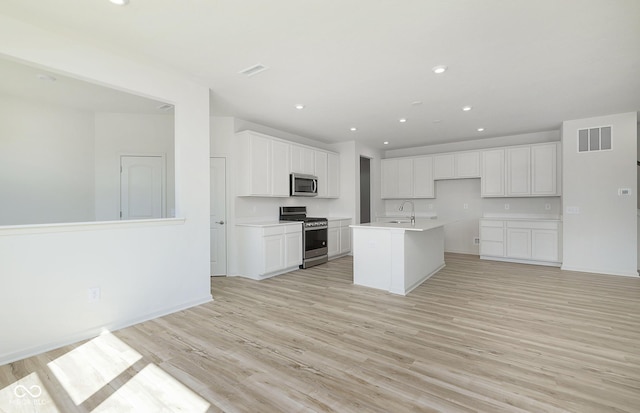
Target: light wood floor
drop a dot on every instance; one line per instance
(479, 336)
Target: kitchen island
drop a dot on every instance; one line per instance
(397, 256)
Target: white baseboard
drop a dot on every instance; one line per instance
(97, 330)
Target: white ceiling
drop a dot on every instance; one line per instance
(523, 66)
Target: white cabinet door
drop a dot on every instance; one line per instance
(519, 243)
(444, 166)
(259, 165)
(302, 160)
(280, 168)
(333, 175)
(467, 165)
(492, 179)
(518, 171)
(544, 163)
(345, 237)
(544, 245)
(321, 164)
(389, 178)
(492, 238)
(273, 247)
(293, 248)
(423, 177)
(405, 178)
(333, 240)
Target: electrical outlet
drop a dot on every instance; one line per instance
(506, 206)
(547, 207)
(94, 294)
(476, 241)
(430, 206)
(465, 206)
(573, 210)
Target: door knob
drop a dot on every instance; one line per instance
(220, 222)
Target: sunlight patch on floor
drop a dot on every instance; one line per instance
(153, 390)
(86, 369)
(27, 395)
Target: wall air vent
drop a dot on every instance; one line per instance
(595, 139)
(253, 70)
(165, 107)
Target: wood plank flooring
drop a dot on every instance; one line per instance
(479, 336)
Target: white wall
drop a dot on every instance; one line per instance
(145, 269)
(602, 237)
(119, 134)
(484, 143)
(46, 163)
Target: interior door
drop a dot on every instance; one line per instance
(218, 216)
(142, 187)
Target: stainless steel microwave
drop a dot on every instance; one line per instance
(303, 185)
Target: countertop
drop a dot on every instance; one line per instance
(420, 225)
(267, 223)
(522, 217)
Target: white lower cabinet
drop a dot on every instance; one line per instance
(339, 237)
(527, 241)
(268, 250)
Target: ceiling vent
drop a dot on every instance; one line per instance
(595, 139)
(165, 107)
(253, 70)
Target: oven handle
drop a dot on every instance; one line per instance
(315, 228)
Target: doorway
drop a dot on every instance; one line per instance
(365, 190)
(218, 216)
(142, 187)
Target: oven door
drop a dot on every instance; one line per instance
(315, 242)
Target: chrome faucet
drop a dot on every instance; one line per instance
(413, 211)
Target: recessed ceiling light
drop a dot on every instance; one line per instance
(120, 2)
(165, 107)
(480, 129)
(386, 142)
(466, 108)
(402, 120)
(47, 78)
(416, 103)
(299, 107)
(437, 121)
(353, 129)
(439, 69)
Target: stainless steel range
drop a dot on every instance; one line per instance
(314, 234)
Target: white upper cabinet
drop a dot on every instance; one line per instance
(456, 165)
(302, 160)
(265, 162)
(544, 169)
(423, 177)
(321, 160)
(532, 170)
(407, 177)
(492, 180)
(519, 171)
(333, 175)
(444, 166)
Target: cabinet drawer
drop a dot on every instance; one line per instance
(491, 234)
(290, 229)
(533, 224)
(497, 224)
(276, 230)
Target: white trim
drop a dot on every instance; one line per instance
(87, 226)
(519, 261)
(97, 330)
(602, 271)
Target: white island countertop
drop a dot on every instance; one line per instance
(422, 224)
